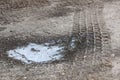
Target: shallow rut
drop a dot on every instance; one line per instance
(90, 26)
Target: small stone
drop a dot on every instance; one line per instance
(85, 56)
(34, 50)
(25, 77)
(62, 73)
(26, 69)
(113, 55)
(11, 31)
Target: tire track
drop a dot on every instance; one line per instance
(97, 36)
(106, 47)
(76, 24)
(74, 36)
(83, 29)
(97, 31)
(102, 38)
(89, 29)
(90, 33)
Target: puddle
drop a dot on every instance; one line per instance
(37, 53)
(53, 50)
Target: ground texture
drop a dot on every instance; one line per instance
(96, 21)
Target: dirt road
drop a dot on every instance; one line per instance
(96, 22)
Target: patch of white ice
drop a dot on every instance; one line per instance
(36, 53)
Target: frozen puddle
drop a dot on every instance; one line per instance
(37, 53)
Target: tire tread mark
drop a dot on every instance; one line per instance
(76, 24)
(90, 33)
(83, 30)
(97, 31)
(105, 34)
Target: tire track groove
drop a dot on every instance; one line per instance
(105, 34)
(83, 29)
(97, 32)
(90, 33)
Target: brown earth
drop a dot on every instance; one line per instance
(97, 21)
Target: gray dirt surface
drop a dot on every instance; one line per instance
(97, 23)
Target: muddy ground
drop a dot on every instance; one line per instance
(96, 21)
